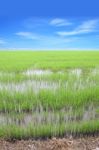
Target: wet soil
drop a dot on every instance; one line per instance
(86, 143)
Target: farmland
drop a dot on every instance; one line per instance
(49, 93)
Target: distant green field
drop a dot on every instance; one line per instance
(55, 60)
(49, 93)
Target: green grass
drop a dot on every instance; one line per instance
(55, 60)
(55, 104)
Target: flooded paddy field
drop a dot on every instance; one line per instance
(43, 95)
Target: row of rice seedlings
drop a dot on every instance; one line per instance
(14, 131)
(48, 99)
(44, 117)
(37, 85)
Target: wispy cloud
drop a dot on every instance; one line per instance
(2, 41)
(36, 22)
(60, 22)
(54, 40)
(46, 41)
(44, 38)
(28, 35)
(85, 27)
(43, 35)
(33, 22)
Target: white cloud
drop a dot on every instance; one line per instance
(28, 35)
(59, 22)
(88, 26)
(25, 34)
(85, 27)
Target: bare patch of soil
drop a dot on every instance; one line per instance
(87, 143)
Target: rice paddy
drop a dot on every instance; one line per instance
(49, 93)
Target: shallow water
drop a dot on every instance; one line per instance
(40, 118)
(29, 84)
(5, 74)
(37, 72)
(37, 85)
(95, 71)
(76, 71)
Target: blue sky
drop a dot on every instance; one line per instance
(49, 24)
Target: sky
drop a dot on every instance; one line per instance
(49, 24)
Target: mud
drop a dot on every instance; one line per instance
(87, 143)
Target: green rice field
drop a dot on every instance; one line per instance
(49, 93)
